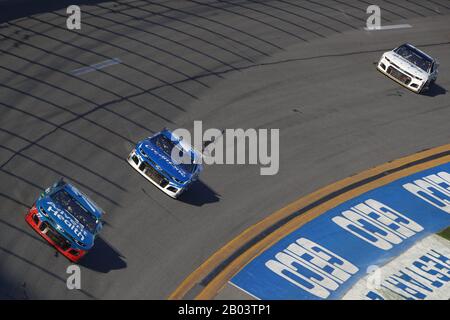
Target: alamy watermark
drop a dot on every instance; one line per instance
(232, 146)
(73, 21)
(373, 22)
(74, 279)
(374, 277)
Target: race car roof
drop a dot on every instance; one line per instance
(159, 148)
(72, 211)
(419, 52)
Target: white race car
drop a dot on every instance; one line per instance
(410, 67)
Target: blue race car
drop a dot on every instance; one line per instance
(152, 158)
(67, 219)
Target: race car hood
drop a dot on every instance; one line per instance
(163, 161)
(406, 65)
(63, 221)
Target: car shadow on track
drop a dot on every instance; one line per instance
(435, 90)
(199, 194)
(103, 258)
(16, 289)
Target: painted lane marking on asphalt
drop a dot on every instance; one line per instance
(95, 67)
(420, 273)
(394, 26)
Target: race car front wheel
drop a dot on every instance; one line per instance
(425, 87)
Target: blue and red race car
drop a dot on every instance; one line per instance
(67, 219)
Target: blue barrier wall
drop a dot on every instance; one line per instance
(346, 246)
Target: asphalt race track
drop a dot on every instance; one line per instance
(305, 67)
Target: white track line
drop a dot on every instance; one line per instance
(394, 26)
(95, 67)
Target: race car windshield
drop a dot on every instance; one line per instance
(68, 203)
(167, 146)
(415, 57)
